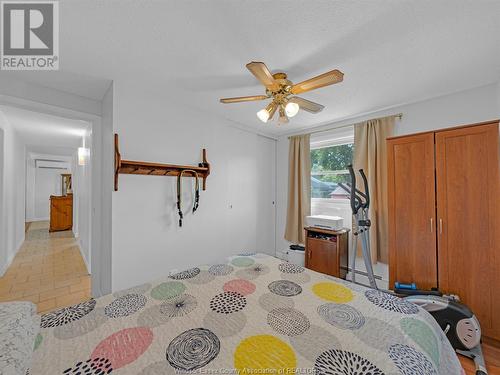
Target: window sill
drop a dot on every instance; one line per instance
(330, 201)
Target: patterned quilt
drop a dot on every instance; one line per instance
(254, 315)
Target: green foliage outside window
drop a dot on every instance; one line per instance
(331, 161)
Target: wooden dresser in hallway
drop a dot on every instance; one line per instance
(61, 213)
(48, 270)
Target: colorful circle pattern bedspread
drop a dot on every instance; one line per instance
(193, 349)
(67, 314)
(253, 315)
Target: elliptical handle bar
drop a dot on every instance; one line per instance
(367, 192)
(354, 207)
(347, 188)
(359, 194)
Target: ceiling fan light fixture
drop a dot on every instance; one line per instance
(283, 117)
(291, 109)
(263, 115)
(267, 113)
(282, 92)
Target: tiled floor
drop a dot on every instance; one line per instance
(48, 270)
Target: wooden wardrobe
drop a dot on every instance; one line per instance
(444, 215)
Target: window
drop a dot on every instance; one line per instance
(331, 153)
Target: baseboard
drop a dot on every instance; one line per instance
(283, 255)
(19, 244)
(85, 260)
(11, 257)
(33, 219)
(9, 261)
(18, 247)
(6, 266)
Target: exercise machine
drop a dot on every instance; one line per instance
(360, 204)
(459, 324)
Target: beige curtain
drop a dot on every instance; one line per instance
(299, 187)
(370, 154)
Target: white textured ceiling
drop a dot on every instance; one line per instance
(45, 133)
(194, 52)
(63, 80)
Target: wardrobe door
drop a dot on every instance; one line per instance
(412, 208)
(468, 193)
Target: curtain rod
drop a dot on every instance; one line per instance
(398, 115)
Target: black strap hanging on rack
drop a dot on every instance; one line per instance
(179, 195)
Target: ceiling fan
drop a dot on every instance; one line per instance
(282, 92)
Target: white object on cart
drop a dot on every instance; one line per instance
(325, 222)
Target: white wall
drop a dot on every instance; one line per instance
(12, 206)
(3, 211)
(47, 183)
(30, 188)
(81, 179)
(266, 196)
(102, 193)
(41, 183)
(147, 241)
(466, 107)
(498, 99)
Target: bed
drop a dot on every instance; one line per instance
(253, 315)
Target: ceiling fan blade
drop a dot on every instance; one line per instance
(243, 99)
(325, 79)
(262, 73)
(307, 105)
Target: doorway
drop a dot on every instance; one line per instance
(51, 262)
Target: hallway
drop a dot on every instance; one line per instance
(48, 270)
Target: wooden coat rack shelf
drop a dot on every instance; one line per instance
(157, 169)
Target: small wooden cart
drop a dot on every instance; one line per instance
(327, 251)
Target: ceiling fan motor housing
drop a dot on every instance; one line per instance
(284, 84)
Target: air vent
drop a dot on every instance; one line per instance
(51, 164)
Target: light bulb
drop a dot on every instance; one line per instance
(283, 117)
(83, 154)
(292, 109)
(267, 113)
(263, 115)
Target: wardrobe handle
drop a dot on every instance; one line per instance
(432, 221)
(440, 226)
